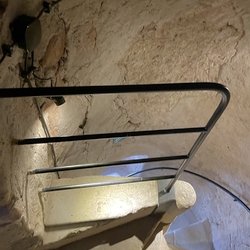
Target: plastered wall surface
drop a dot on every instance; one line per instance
(129, 42)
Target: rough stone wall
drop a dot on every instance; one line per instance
(129, 42)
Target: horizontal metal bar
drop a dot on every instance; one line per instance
(109, 135)
(114, 163)
(108, 183)
(114, 89)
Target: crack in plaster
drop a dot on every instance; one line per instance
(242, 31)
(75, 6)
(100, 10)
(85, 119)
(103, 150)
(221, 68)
(89, 99)
(62, 64)
(119, 102)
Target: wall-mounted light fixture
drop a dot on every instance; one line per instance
(26, 32)
(58, 100)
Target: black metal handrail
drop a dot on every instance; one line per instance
(118, 89)
(110, 135)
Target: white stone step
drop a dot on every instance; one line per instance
(195, 236)
(97, 203)
(183, 220)
(75, 214)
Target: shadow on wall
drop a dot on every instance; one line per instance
(139, 228)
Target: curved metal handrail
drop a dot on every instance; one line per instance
(114, 89)
(236, 198)
(95, 90)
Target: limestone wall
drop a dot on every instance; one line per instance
(127, 42)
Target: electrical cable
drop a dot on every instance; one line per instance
(58, 100)
(2, 59)
(40, 78)
(236, 198)
(46, 7)
(7, 51)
